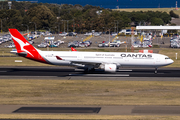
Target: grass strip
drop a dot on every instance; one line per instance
(89, 92)
(92, 117)
(150, 9)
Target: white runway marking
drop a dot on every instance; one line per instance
(105, 75)
(101, 75)
(124, 70)
(79, 69)
(18, 61)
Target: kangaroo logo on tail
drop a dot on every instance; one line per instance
(24, 47)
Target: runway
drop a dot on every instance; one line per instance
(67, 73)
(100, 110)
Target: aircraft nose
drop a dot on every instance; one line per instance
(171, 61)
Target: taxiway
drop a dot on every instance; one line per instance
(67, 73)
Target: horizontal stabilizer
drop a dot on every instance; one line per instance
(23, 54)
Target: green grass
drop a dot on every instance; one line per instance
(10, 61)
(150, 9)
(87, 92)
(92, 117)
(172, 54)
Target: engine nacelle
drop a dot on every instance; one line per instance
(110, 67)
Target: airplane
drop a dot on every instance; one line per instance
(108, 61)
(73, 49)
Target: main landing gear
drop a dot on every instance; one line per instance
(155, 71)
(87, 70)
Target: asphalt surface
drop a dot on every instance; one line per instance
(100, 110)
(67, 73)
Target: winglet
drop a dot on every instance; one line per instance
(59, 58)
(73, 49)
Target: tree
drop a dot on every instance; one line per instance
(157, 21)
(165, 17)
(172, 14)
(11, 19)
(42, 16)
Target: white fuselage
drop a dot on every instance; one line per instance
(118, 58)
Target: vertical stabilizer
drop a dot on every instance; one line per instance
(24, 48)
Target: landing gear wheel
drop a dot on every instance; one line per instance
(155, 71)
(87, 70)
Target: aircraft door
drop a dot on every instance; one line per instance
(80, 56)
(158, 60)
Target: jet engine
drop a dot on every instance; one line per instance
(109, 67)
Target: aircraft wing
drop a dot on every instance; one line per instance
(84, 62)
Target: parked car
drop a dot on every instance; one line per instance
(88, 43)
(114, 44)
(5, 39)
(42, 45)
(88, 33)
(104, 44)
(31, 41)
(72, 34)
(73, 44)
(63, 34)
(97, 33)
(1, 41)
(11, 45)
(114, 34)
(60, 41)
(83, 44)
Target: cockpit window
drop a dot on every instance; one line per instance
(167, 58)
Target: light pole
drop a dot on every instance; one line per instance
(109, 33)
(58, 28)
(34, 24)
(116, 24)
(1, 25)
(103, 38)
(27, 30)
(27, 27)
(67, 25)
(64, 24)
(73, 26)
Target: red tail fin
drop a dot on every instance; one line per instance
(73, 49)
(24, 47)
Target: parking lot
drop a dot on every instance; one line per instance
(95, 40)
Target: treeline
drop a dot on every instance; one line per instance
(59, 18)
